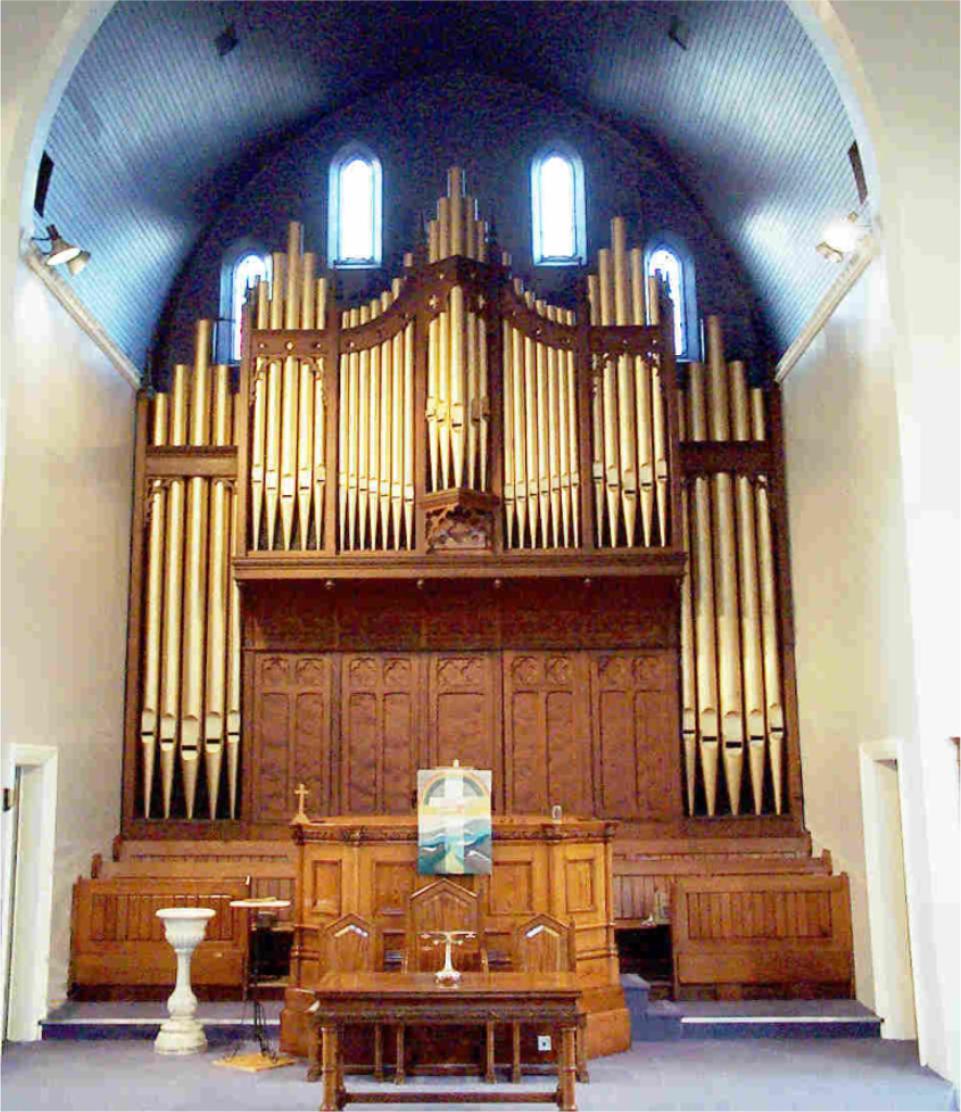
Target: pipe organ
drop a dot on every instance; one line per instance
(732, 703)
(457, 426)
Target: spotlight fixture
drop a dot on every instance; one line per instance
(842, 237)
(63, 252)
(826, 251)
(78, 262)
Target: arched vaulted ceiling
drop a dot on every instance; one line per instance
(156, 131)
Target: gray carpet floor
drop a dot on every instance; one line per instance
(804, 1074)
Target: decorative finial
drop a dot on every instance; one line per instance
(301, 817)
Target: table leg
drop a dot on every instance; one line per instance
(330, 1068)
(378, 1052)
(489, 1076)
(581, 1046)
(313, 1050)
(399, 1070)
(567, 1070)
(516, 1068)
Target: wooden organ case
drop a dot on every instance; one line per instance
(455, 521)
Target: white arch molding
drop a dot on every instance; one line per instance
(895, 66)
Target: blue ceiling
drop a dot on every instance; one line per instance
(155, 132)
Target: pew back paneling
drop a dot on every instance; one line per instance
(762, 935)
(118, 941)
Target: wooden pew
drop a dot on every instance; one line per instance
(118, 942)
(737, 936)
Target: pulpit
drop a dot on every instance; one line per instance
(367, 865)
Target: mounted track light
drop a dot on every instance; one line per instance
(61, 251)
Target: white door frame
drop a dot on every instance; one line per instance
(891, 1003)
(29, 970)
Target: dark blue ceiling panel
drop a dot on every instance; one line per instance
(156, 133)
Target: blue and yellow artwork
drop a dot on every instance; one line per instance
(453, 822)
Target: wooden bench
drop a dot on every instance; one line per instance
(757, 935)
(118, 942)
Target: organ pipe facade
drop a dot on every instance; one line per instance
(456, 417)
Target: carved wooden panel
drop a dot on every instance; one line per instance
(464, 713)
(546, 732)
(325, 888)
(379, 732)
(635, 737)
(291, 733)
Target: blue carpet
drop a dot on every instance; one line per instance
(860, 1075)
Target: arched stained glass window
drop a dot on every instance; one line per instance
(246, 270)
(557, 207)
(355, 208)
(668, 257)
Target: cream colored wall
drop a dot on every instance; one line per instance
(896, 66)
(853, 653)
(63, 581)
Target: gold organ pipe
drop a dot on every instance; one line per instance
(769, 629)
(305, 449)
(443, 228)
(553, 432)
(153, 610)
(443, 396)
(751, 659)
(530, 437)
(563, 437)
(320, 423)
(218, 598)
(233, 682)
(388, 403)
(308, 299)
(455, 188)
(519, 370)
(471, 399)
(195, 577)
(343, 450)
(704, 619)
(433, 241)
(657, 416)
(408, 434)
(543, 433)
(373, 446)
(688, 673)
(457, 382)
(433, 432)
(642, 398)
(725, 549)
(597, 415)
(173, 596)
(353, 440)
(609, 394)
(274, 381)
(259, 423)
(508, 363)
(400, 433)
(573, 434)
(363, 436)
(482, 404)
(627, 433)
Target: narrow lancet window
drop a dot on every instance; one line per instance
(665, 263)
(247, 269)
(355, 209)
(557, 205)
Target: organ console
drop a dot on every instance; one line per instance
(459, 424)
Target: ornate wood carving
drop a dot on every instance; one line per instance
(460, 521)
(291, 733)
(635, 731)
(379, 735)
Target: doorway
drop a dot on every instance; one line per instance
(28, 891)
(887, 889)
